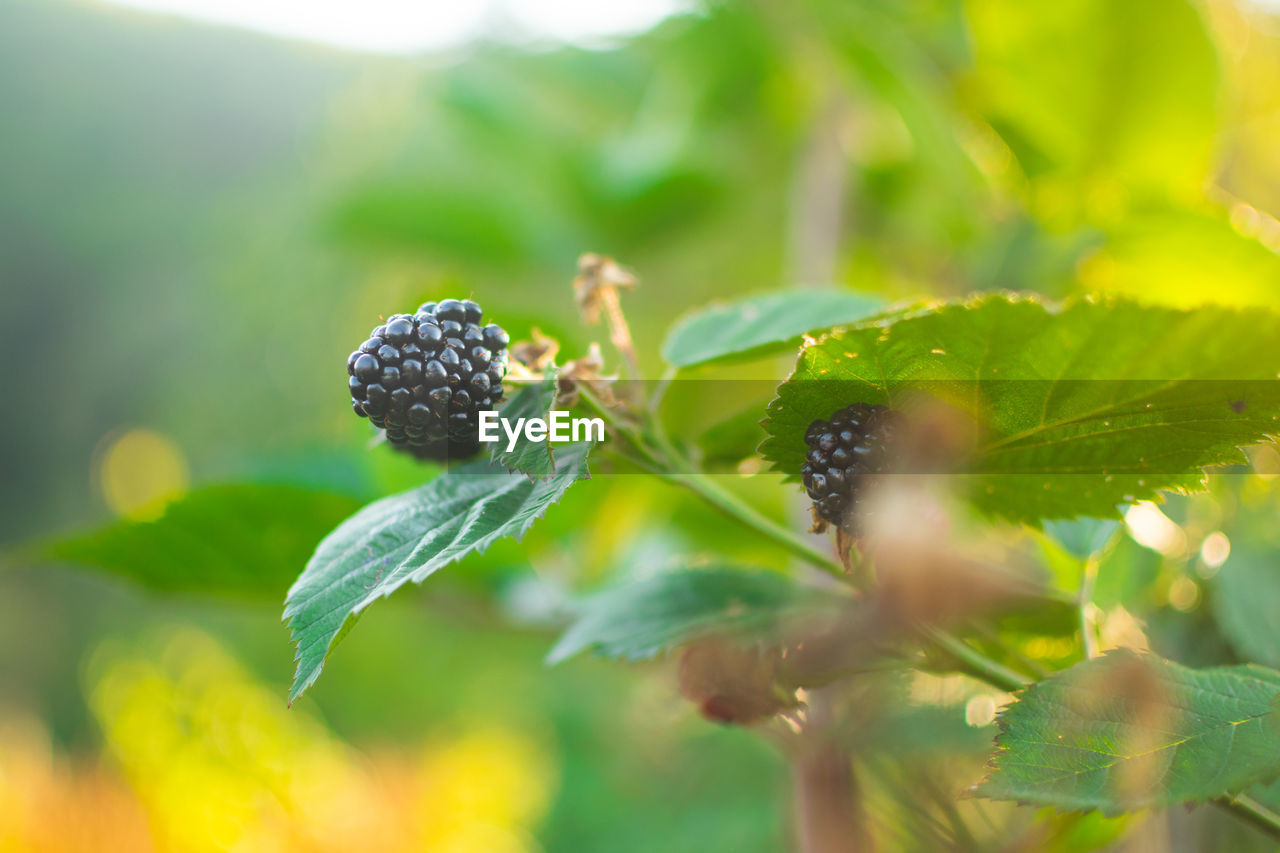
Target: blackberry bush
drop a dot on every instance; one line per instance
(845, 453)
(424, 378)
(816, 666)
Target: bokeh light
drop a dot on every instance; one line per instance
(140, 470)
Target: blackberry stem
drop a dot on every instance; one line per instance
(1248, 810)
(733, 506)
(668, 464)
(1084, 603)
(974, 662)
(676, 469)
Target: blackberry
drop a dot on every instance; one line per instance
(425, 377)
(845, 453)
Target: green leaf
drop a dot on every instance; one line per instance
(758, 325)
(1082, 537)
(1129, 731)
(1246, 601)
(407, 537)
(244, 540)
(1078, 408)
(641, 619)
(731, 440)
(535, 458)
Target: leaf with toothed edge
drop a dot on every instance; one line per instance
(535, 458)
(1078, 407)
(1128, 731)
(407, 537)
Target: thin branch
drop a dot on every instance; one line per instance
(974, 662)
(1252, 812)
(731, 505)
(1088, 626)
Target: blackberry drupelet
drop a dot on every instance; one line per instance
(424, 378)
(845, 453)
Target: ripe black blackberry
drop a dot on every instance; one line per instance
(425, 378)
(845, 453)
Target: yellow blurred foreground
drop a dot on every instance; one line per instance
(198, 756)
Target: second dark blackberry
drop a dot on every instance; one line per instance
(424, 378)
(845, 453)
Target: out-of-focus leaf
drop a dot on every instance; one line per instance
(535, 458)
(731, 440)
(1246, 602)
(406, 538)
(1126, 574)
(1129, 731)
(1082, 537)
(1069, 544)
(761, 324)
(639, 620)
(452, 220)
(1078, 408)
(235, 539)
(1131, 107)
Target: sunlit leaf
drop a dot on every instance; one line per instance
(1131, 108)
(761, 324)
(407, 537)
(1129, 731)
(1077, 408)
(1168, 255)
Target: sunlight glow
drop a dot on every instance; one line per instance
(1152, 528)
(409, 26)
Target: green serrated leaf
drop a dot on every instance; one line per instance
(639, 620)
(1078, 408)
(407, 537)
(758, 325)
(239, 540)
(1129, 731)
(535, 458)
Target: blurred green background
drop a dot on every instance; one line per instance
(198, 223)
